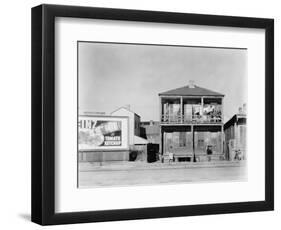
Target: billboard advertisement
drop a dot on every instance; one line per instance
(102, 132)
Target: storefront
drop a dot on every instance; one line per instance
(189, 142)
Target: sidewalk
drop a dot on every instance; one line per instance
(121, 166)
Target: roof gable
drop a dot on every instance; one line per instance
(191, 91)
(126, 109)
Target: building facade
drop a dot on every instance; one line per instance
(235, 137)
(137, 144)
(191, 123)
(111, 137)
(134, 125)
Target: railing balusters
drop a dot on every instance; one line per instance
(184, 119)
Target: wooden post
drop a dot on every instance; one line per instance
(202, 103)
(181, 110)
(202, 106)
(235, 133)
(222, 112)
(222, 139)
(160, 109)
(193, 146)
(161, 148)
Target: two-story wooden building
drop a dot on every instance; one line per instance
(191, 123)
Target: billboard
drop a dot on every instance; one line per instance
(102, 132)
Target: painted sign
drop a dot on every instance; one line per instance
(99, 133)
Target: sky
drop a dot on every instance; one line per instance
(112, 75)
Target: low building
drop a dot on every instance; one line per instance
(137, 144)
(110, 137)
(134, 125)
(235, 136)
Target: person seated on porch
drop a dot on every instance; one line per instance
(238, 155)
(209, 152)
(171, 155)
(160, 157)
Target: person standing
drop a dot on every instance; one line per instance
(171, 155)
(209, 152)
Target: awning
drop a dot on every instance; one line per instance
(140, 141)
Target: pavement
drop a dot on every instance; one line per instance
(139, 165)
(140, 173)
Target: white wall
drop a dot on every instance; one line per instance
(15, 117)
(125, 112)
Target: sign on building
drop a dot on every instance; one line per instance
(102, 132)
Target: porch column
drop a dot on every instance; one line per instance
(161, 143)
(193, 146)
(222, 111)
(160, 146)
(160, 108)
(181, 110)
(222, 139)
(202, 105)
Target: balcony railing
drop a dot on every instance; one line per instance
(190, 119)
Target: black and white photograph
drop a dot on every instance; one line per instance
(143, 114)
(151, 114)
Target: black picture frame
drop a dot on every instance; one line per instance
(43, 114)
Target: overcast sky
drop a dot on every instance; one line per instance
(114, 75)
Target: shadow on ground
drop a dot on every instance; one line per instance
(25, 216)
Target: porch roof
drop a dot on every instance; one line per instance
(140, 141)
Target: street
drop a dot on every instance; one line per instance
(167, 175)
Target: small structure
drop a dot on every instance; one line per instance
(134, 125)
(191, 121)
(137, 144)
(235, 136)
(150, 130)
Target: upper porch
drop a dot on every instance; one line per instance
(182, 110)
(191, 105)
